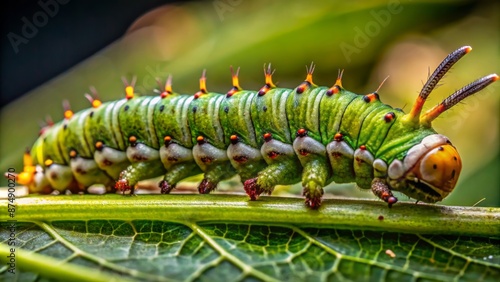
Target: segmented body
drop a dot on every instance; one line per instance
(309, 134)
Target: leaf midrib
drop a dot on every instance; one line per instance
(338, 213)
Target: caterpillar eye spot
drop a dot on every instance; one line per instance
(268, 137)
(389, 117)
(302, 87)
(240, 159)
(264, 109)
(138, 158)
(226, 110)
(338, 137)
(336, 155)
(206, 160)
(132, 140)
(99, 146)
(368, 98)
(301, 133)
(234, 139)
(91, 114)
(233, 91)
(167, 140)
(304, 152)
(333, 90)
(126, 108)
(162, 107)
(200, 140)
(54, 175)
(273, 154)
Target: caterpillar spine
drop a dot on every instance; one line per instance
(274, 136)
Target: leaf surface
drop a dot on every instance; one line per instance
(227, 238)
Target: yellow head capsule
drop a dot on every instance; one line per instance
(440, 168)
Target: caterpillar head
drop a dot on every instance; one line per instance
(430, 170)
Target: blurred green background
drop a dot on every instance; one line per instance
(370, 40)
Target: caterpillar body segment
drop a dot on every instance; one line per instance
(274, 136)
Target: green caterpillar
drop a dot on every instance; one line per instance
(274, 136)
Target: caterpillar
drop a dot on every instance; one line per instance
(274, 136)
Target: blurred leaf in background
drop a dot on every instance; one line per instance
(368, 39)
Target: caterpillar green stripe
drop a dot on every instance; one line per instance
(274, 136)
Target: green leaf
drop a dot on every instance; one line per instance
(226, 237)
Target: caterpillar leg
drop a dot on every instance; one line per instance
(382, 191)
(138, 171)
(314, 179)
(214, 175)
(177, 173)
(285, 173)
(146, 164)
(179, 163)
(312, 156)
(214, 162)
(284, 168)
